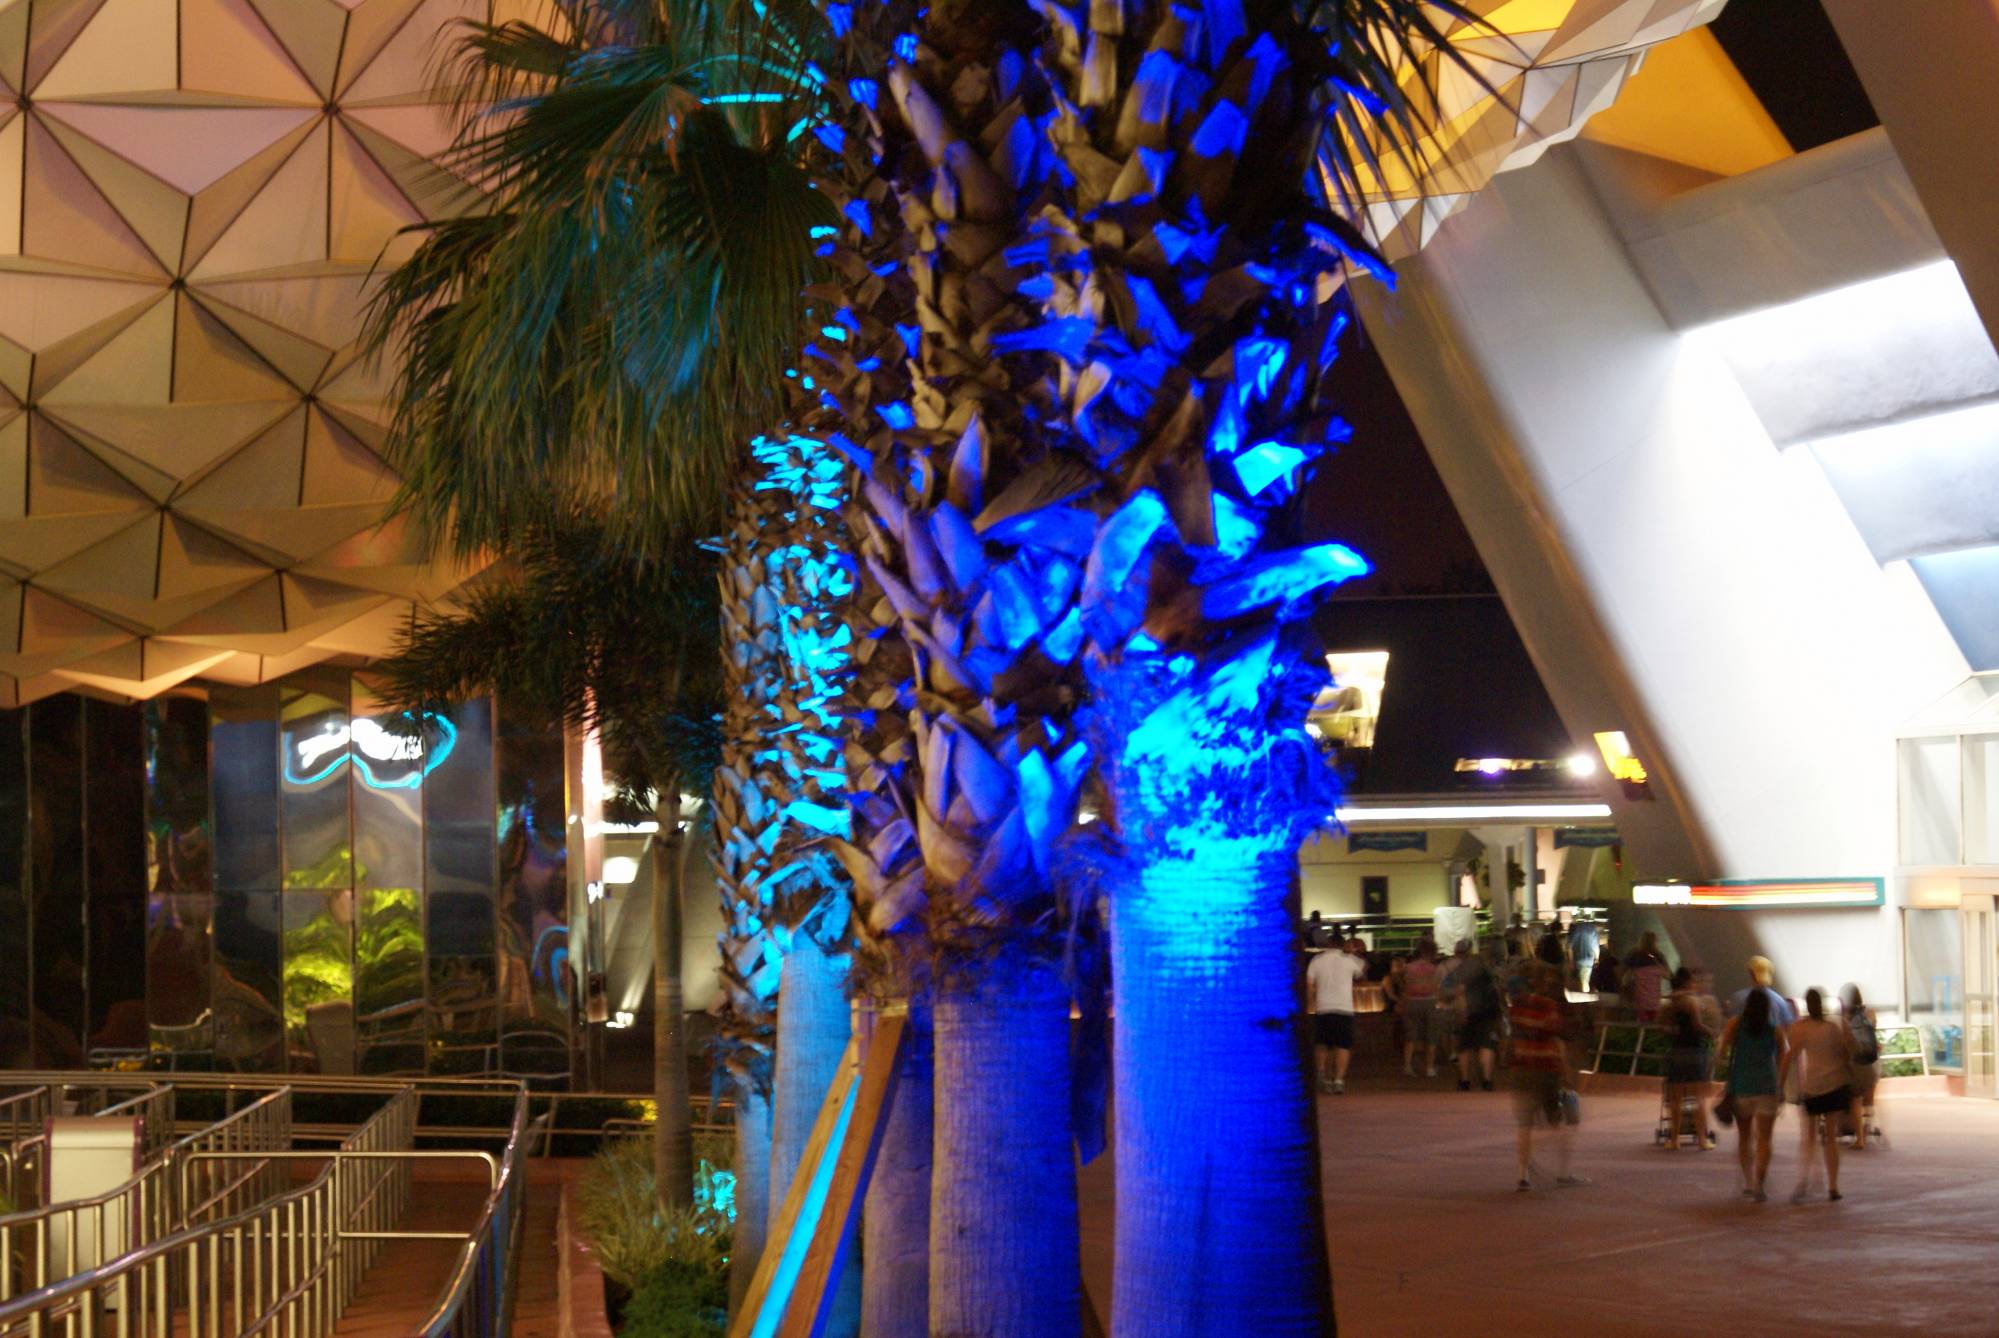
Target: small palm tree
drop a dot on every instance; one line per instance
(612, 333)
(576, 630)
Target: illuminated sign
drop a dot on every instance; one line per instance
(1765, 893)
(384, 759)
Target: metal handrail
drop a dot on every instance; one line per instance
(284, 1263)
(47, 1243)
(478, 1302)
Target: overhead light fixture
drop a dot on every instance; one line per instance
(1581, 764)
(1472, 813)
(620, 870)
(622, 1020)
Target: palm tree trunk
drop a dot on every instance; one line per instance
(673, 1134)
(1218, 1223)
(1003, 1233)
(895, 1234)
(752, 1189)
(814, 1023)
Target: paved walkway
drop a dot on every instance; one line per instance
(1429, 1236)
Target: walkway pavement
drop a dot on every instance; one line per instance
(1429, 1236)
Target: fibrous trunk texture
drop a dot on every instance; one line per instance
(1003, 1233)
(1217, 1225)
(814, 1023)
(673, 1134)
(895, 1240)
(752, 1190)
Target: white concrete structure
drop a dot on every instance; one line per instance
(1720, 421)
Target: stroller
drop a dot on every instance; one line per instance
(1677, 1124)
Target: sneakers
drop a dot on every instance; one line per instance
(1430, 1072)
(1463, 1085)
(1327, 1086)
(1339, 1087)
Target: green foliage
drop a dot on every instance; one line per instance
(634, 1237)
(579, 629)
(678, 1301)
(619, 320)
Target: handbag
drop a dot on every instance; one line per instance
(1724, 1109)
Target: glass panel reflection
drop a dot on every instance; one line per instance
(16, 984)
(533, 899)
(319, 980)
(244, 779)
(458, 800)
(388, 878)
(249, 1028)
(179, 877)
(313, 718)
(55, 834)
(115, 877)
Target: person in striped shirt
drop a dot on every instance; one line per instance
(1540, 1069)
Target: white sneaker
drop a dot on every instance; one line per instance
(1339, 1086)
(1430, 1072)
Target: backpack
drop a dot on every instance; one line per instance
(1866, 1045)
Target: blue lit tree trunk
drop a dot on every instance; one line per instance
(1215, 1232)
(778, 792)
(1003, 1232)
(1117, 269)
(895, 1223)
(752, 1170)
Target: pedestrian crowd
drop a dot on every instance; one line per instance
(1507, 1009)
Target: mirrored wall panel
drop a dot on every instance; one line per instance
(535, 994)
(460, 863)
(180, 881)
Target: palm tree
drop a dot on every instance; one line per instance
(1102, 245)
(577, 630)
(617, 327)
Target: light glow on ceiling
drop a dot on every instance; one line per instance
(620, 870)
(1888, 348)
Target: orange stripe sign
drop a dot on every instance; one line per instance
(1766, 893)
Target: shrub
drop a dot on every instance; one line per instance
(634, 1237)
(679, 1301)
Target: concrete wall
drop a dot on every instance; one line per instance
(1672, 572)
(1417, 884)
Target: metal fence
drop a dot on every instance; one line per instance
(41, 1245)
(478, 1302)
(287, 1265)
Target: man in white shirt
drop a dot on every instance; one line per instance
(1329, 981)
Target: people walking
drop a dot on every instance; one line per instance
(1329, 980)
(1782, 1013)
(1540, 1076)
(1583, 947)
(1645, 978)
(1474, 995)
(1688, 1061)
(1753, 1053)
(1419, 1002)
(1821, 1051)
(1550, 948)
(1864, 1042)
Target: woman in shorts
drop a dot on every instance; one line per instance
(1863, 1037)
(1687, 1063)
(1825, 1087)
(1754, 1054)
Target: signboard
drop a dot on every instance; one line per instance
(385, 760)
(1357, 841)
(1588, 838)
(1765, 893)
